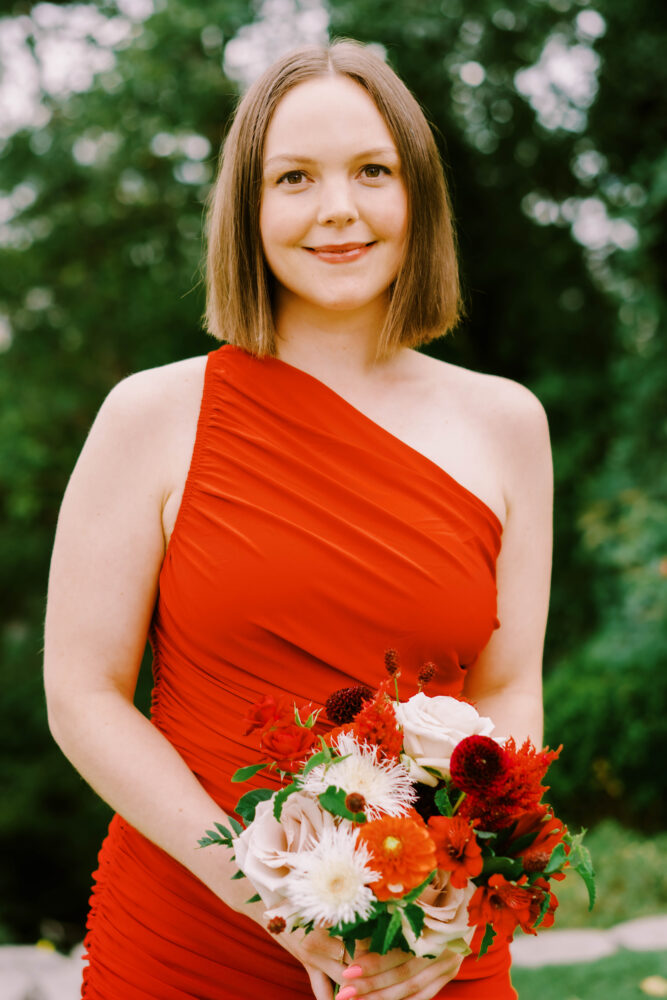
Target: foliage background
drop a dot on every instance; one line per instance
(560, 202)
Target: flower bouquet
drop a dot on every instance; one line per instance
(406, 824)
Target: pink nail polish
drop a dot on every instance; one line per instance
(353, 971)
(346, 993)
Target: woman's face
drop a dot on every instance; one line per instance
(334, 209)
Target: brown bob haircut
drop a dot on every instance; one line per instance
(425, 298)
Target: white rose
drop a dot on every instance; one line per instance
(433, 726)
(445, 918)
(262, 850)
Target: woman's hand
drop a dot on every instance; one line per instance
(394, 976)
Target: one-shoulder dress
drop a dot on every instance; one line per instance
(308, 541)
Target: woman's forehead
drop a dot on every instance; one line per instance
(326, 113)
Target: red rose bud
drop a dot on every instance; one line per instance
(287, 743)
(427, 672)
(391, 661)
(355, 802)
(277, 925)
(264, 713)
(479, 765)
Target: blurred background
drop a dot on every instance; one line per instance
(548, 114)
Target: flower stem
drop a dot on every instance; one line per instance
(458, 803)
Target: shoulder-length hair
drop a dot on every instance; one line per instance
(425, 298)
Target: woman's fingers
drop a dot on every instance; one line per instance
(320, 983)
(410, 979)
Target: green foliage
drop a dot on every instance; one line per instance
(615, 978)
(630, 877)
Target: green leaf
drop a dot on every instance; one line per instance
(279, 800)
(238, 874)
(557, 860)
(391, 932)
(543, 910)
(254, 899)
(582, 863)
(247, 804)
(415, 916)
(244, 773)
(322, 757)
(511, 868)
(417, 891)
(443, 802)
(487, 940)
(333, 800)
(238, 829)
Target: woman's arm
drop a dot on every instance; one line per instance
(107, 555)
(506, 680)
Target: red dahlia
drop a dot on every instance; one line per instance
(479, 766)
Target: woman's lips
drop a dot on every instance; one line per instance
(340, 253)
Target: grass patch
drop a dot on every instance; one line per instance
(631, 879)
(622, 976)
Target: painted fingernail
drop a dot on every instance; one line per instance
(352, 972)
(347, 993)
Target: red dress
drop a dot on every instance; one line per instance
(309, 540)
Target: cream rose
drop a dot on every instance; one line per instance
(262, 850)
(431, 729)
(445, 918)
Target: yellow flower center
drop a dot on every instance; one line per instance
(392, 845)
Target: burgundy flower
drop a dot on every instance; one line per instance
(342, 706)
(479, 765)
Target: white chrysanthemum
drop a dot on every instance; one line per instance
(330, 883)
(385, 784)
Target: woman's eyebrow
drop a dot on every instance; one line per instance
(366, 154)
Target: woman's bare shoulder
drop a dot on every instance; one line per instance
(508, 410)
(158, 393)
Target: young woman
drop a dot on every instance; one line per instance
(277, 514)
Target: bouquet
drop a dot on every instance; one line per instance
(406, 823)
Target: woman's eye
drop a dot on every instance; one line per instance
(374, 170)
(292, 177)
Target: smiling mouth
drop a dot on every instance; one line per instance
(340, 251)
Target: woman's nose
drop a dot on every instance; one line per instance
(337, 205)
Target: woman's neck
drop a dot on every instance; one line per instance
(339, 345)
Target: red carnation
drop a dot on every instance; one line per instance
(479, 765)
(457, 850)
(287, 743)
(505, 905)
(265, 712)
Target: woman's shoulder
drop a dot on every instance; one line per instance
(157, 393)
(505, 407)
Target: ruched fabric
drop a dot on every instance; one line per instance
(309, 540)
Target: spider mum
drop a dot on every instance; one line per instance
(384, 783)
(330, 884)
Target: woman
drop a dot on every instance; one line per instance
(277, 514)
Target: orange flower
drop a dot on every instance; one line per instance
(457, 850)
(505, 905)
(548, 831)
(402, 851)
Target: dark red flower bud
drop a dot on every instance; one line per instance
(391, 661)
(343, 705)
(427, 672)
(355, 802)
(277, 925)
